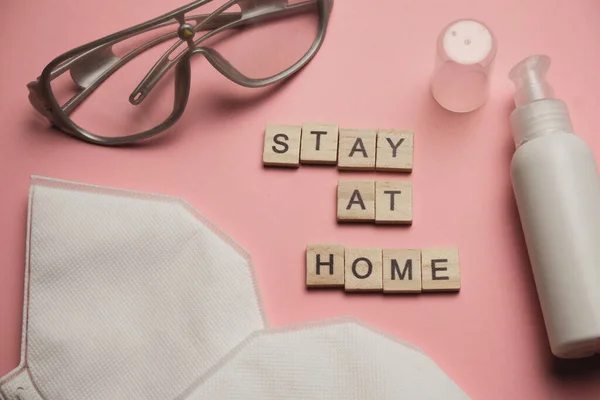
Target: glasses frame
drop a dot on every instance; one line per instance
(252, 11)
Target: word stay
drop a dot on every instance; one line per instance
(349, 149)
(382, 270)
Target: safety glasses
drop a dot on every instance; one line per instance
(135, 84)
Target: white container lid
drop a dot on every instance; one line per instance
(466, 50)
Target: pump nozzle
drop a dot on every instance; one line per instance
(529, 77)
(537, 113)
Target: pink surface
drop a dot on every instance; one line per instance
(372, 71)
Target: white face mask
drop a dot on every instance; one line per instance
(326, 361)
(127, 296)
(135, 296)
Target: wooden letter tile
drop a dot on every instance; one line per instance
(363, 270)
(393, 202)
(282, 146)
(319, 144)
(395, 150)
(357, 149)
(325, 265)
(440, 270)
(401, 271)
(356, 201)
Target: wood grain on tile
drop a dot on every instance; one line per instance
(440, 270)
(319, 144)
(401, 271)
(363, 269)
(395, 150)
(357, 149)
(325, 265)
(393, 202)
(282, 146)
(355, 201)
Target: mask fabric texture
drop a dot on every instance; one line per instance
(127, 296)
(332, 360)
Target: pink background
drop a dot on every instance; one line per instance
(372, 72)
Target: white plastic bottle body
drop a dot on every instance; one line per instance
(557, 190)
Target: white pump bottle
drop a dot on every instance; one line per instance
(557, 189)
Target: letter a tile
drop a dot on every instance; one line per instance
(325, 265)
(357, 149)
(356, 201)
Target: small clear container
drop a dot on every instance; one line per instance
(466, 51)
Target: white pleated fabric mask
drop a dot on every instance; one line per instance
(331, 360)
(127, 296)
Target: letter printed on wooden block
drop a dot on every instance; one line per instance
(440, 270)
(319, 144)
(395, 150)
(363, 270)
(393, 202)
(357, 149)
(325, 265)
(282, 146)
(356, 201)
(401, 271)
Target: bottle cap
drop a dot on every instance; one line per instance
(466, 50)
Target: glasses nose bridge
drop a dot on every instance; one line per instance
(186, 32)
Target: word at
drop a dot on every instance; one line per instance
(389, 271)
(385, 202)
(350, 149)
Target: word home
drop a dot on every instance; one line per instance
(349, 149)
(382, 270)
(384, 202)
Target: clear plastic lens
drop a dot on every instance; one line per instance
(265, 47)
(107, 111)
